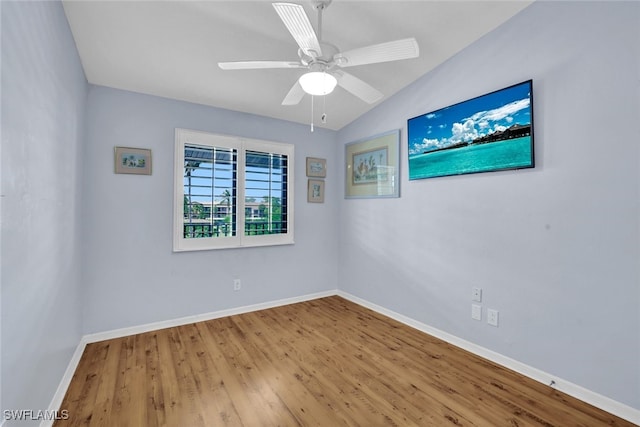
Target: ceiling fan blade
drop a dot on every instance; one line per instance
(357, 87)
(257, 65)
(295, 95)
(383, 52)
(298, 24)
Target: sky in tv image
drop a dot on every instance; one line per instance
(470, 120)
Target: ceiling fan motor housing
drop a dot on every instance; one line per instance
(327, 58)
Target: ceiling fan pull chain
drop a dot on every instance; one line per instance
(323, 118)
(311, 113)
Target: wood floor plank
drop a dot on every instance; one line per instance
(293, 370)
(325, 362)
(300, 371)
(243, 378)
(375, 349)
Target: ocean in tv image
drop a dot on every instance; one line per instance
(487, 133)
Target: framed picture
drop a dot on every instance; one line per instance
(489, 133)
(316, 167)
(133, 160)
(315, 191)
(372, 166)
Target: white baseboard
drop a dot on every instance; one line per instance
(599, 401)
(117, 333)
(588, 396)
(64, 383)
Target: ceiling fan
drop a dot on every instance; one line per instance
(324, 61)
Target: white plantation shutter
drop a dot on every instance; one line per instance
(231, 192)
(266, 185)
(209, 185)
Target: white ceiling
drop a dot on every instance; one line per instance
(171, 48)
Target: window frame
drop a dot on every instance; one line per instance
(241, 145)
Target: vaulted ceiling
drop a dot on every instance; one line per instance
(171, 48)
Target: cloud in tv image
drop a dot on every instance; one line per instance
(488, 133)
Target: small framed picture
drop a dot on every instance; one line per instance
(315, 191)
(133, 160)
(316, 168)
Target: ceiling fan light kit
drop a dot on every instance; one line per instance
(318, 83)
(325, 62)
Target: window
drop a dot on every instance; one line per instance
(231, 192)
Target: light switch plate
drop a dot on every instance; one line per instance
(476, 312)
(476, 294)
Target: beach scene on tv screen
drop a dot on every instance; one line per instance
(487, 133)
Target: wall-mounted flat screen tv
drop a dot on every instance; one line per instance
(492, 132)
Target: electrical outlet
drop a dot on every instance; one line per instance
(476, 312)
(237, 284)
(492, 317)
(476, 294)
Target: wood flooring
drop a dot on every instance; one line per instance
(326, 362)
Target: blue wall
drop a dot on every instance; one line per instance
(43, 100)
(555, 248)
(132, 276)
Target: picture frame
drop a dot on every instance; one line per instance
(128, 160)
(372, 166)
(316, 167)
(491, 132)
(315, 191)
